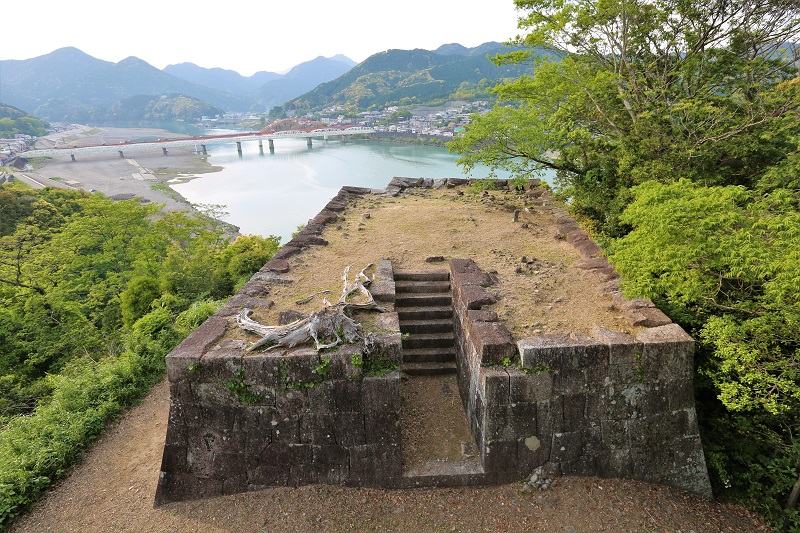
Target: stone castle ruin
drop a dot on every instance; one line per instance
(611, 404)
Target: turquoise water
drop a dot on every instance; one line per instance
(273, 194)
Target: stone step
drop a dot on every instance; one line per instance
(428, 369)
(429, 340)
(427, 275)
(444, 474)
(429, 355)
(413, 313)
(439, 325)
(430, 287)
(422, 300)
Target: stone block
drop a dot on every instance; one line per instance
(373, 465)
(384, 271)
(383, 291)
(550, 417)
(190, 351)
(291, 403)
(492, 342)
(381, 427)
(533, 451)
(499, 455)
(349, 428)
(389, 346)
(533, 387)
(559, 352)
(567, 446)
(239, 301)
(667, 353)
(269, 466)
(568, 381)
(574, 412)
(381, 393)
(332, 464)
(302, 470)
(349, 190)
(222, 362)
(646, 318)
(471, 296)
(299, 366)
(287, 251)
(320, 398)
(680, 394)
(178, 486)
(481, 316)
(324, 217)
(389, 322)
(255, 287)
(341, 363)
(521, 419)
(285, 429)
(317, 428)
(347, 395)
(263, 368)
(281, 266)
(494, 387)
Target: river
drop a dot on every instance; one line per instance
(273, 194)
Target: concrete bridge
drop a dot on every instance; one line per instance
(282, 129)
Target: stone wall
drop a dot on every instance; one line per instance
(613, 405)
(610, 405)
(242, 421)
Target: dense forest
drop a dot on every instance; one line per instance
(93, 295)
(14, 121)
(673, 128)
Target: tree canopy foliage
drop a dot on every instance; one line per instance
(673, 127)
(635, 89)
(93, 294)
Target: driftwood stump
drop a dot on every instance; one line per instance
(327, 327)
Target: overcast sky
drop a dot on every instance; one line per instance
(249, 36)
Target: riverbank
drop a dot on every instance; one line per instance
(142, 174)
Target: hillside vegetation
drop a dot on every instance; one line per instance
(405, 77)
(673, 128)
(93, 295)
(14, 121)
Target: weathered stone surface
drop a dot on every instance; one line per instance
(583, 244)
(388, 322)
(303, 240)
(481, 315)
(357, 191)
(647, 317)
(193, 347)
(472, 296)
(287, 251)
(492, 342)
(240, 300)
(384, 270)
(281, 266)
(383, 291)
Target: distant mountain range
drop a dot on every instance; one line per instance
(69, 85)
(72, 86)
(410, 77)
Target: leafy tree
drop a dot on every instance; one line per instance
(644, 90)
(725, 261)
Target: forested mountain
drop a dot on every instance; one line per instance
(14, 121)
(166, 107)
(398, 77)
(69, 85)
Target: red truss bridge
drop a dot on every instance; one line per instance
(280, 129)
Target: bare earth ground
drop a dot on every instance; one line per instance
(113, 489)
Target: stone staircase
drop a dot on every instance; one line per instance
(425, 307)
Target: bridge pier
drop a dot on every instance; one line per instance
(308, 141)
(164, 149)
(344, 139)
(203, 148)
(121, 154)
(239, 147)
(72, 156)
(271, 146)
(260, 147)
